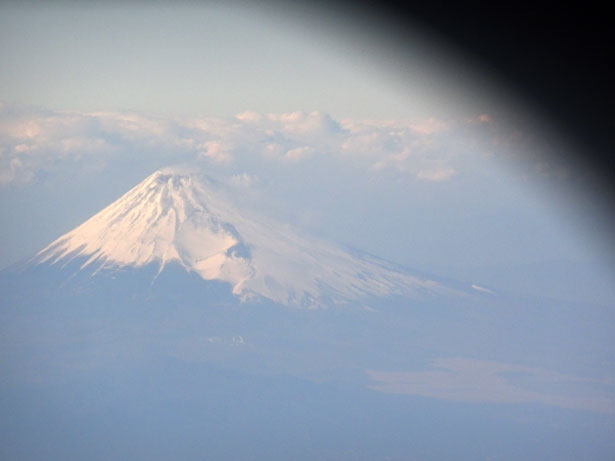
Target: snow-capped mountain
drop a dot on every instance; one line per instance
(194, 221)
(164, 311)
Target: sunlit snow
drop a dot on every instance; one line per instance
(172, 217)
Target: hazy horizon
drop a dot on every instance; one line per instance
(392, 254)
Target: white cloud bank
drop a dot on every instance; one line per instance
(35, 143)
(481, 381)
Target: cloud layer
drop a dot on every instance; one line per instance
(35, 143)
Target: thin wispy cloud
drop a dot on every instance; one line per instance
(482, 381)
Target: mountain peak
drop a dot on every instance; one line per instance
(165, 218)
(193, 221)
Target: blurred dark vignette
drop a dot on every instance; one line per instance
(558, 59)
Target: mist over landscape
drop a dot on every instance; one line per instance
(234, 238)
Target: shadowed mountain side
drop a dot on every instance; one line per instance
(151, 365)
(176, 313)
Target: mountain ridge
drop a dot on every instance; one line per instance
(194, 221)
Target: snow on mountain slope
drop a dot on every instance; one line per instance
(172, 217)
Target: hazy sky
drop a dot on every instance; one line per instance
(205, 59)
